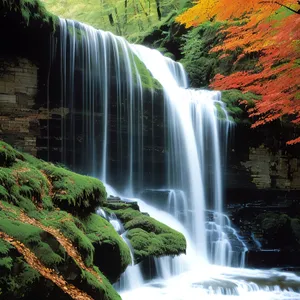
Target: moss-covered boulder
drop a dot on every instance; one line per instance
(107, 243)
(47, 226)
(29, 183)
(147, 236)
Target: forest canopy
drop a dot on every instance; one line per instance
(128, 18)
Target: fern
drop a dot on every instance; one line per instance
(6, 262)
(46, 254)
(4, 247)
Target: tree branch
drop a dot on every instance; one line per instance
(289, 8)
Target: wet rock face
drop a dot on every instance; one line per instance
(270, 230)
(261, 166)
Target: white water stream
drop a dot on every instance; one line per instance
(193, 164)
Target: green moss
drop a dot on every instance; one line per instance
(99, 230)
(236, 111)
(200, 64)
(30, 236)
(31, 181)
(148, 236)
(31, 11)
(40, 190)
(108, 244)
(24, 185)
(104, 287)
(73, 192)
(70, 226)
(147, 80)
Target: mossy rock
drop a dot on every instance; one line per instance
(36, 197)
(72, 191)
(39, 202)
(147, 236)
(29, 182)
(108, 244)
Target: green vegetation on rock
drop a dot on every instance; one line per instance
(51, 211)
(236, 110)
(108, 244)
(200, 64)
(31, 11)
(147, 236)
(36, 199)
(147, 80)
(29, 182)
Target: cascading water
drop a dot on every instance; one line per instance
(101, 78)
(193, 125)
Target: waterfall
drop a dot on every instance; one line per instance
(104, 95)
(101, 77)
(128, 117)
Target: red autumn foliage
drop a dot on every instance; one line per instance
(271, 33)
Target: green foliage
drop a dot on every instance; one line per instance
(4, 247)
(199, 63)
(8, 155)
(18, 283)
(32, 11)
(148, 236)
(37, 163)
(236, 110)
(129, 19)
(6, 262)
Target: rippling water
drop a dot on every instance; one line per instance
(214, 282)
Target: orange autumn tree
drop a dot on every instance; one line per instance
(270, 31)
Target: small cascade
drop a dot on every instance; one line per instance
(132, 278)
(178, 205)
(225, 247)
(256, 242)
